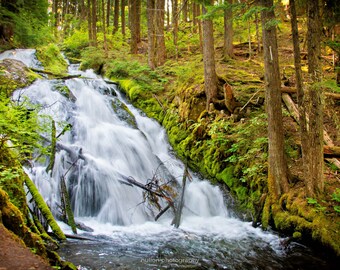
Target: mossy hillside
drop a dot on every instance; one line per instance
(51, 59)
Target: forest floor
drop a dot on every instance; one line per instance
(15, 255)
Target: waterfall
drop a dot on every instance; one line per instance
(113, 147)
(115, 139)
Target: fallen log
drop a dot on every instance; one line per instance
(292, 90)
(57, 75)
(331, 151)
(65, 200)
(73, 154)
(53, 149)
(44, 209)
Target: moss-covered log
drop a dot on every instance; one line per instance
(67, 205)
(53, 149)
(44, 209)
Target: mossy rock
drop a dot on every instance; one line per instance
(123, 112)
(13, 75)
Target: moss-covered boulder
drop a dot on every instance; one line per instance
(13, 75)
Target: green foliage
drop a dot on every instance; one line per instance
(29, 20)
(19, 127)
(7, 174)
(317, 206)
(336, 198)
(146, 79)
(74, 44)
(250, 149)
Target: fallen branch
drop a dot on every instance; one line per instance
(163, 211)
(78, 237)
(245, 105)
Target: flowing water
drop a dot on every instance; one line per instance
(116, 143)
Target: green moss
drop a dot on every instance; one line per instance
(13, 220)
(297, 235)
(51, 59)
(45, 211)
(227, 176)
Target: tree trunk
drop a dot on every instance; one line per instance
(104, 28)
(156, 41)
(89, 23)
(94, 22)
(160, 49)
(108, 11)
(301, 100)
(175, 25)
(277, 167)
(151, 32)
(257, 32)
(55, 13)
(185, 10)
(122, 15)
(134, 19)
(315, 96)
(195, 13)
(115, 16)
(228, 31)
(210, 77)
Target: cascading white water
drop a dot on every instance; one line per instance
(115, 143)
(112, 148)
(27, 56)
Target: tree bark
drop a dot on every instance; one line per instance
(306, 158)
(277, 167)
(134, 18)
(108, 12)
(210, 77)
(228, 31)
(115, 16)
(156, 41)
(175, 25)
(151, 32)
(122, 15)
(315, 96)
(94, 22)
(160, 40)
(104, 28)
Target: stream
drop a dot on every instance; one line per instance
(118, 140)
